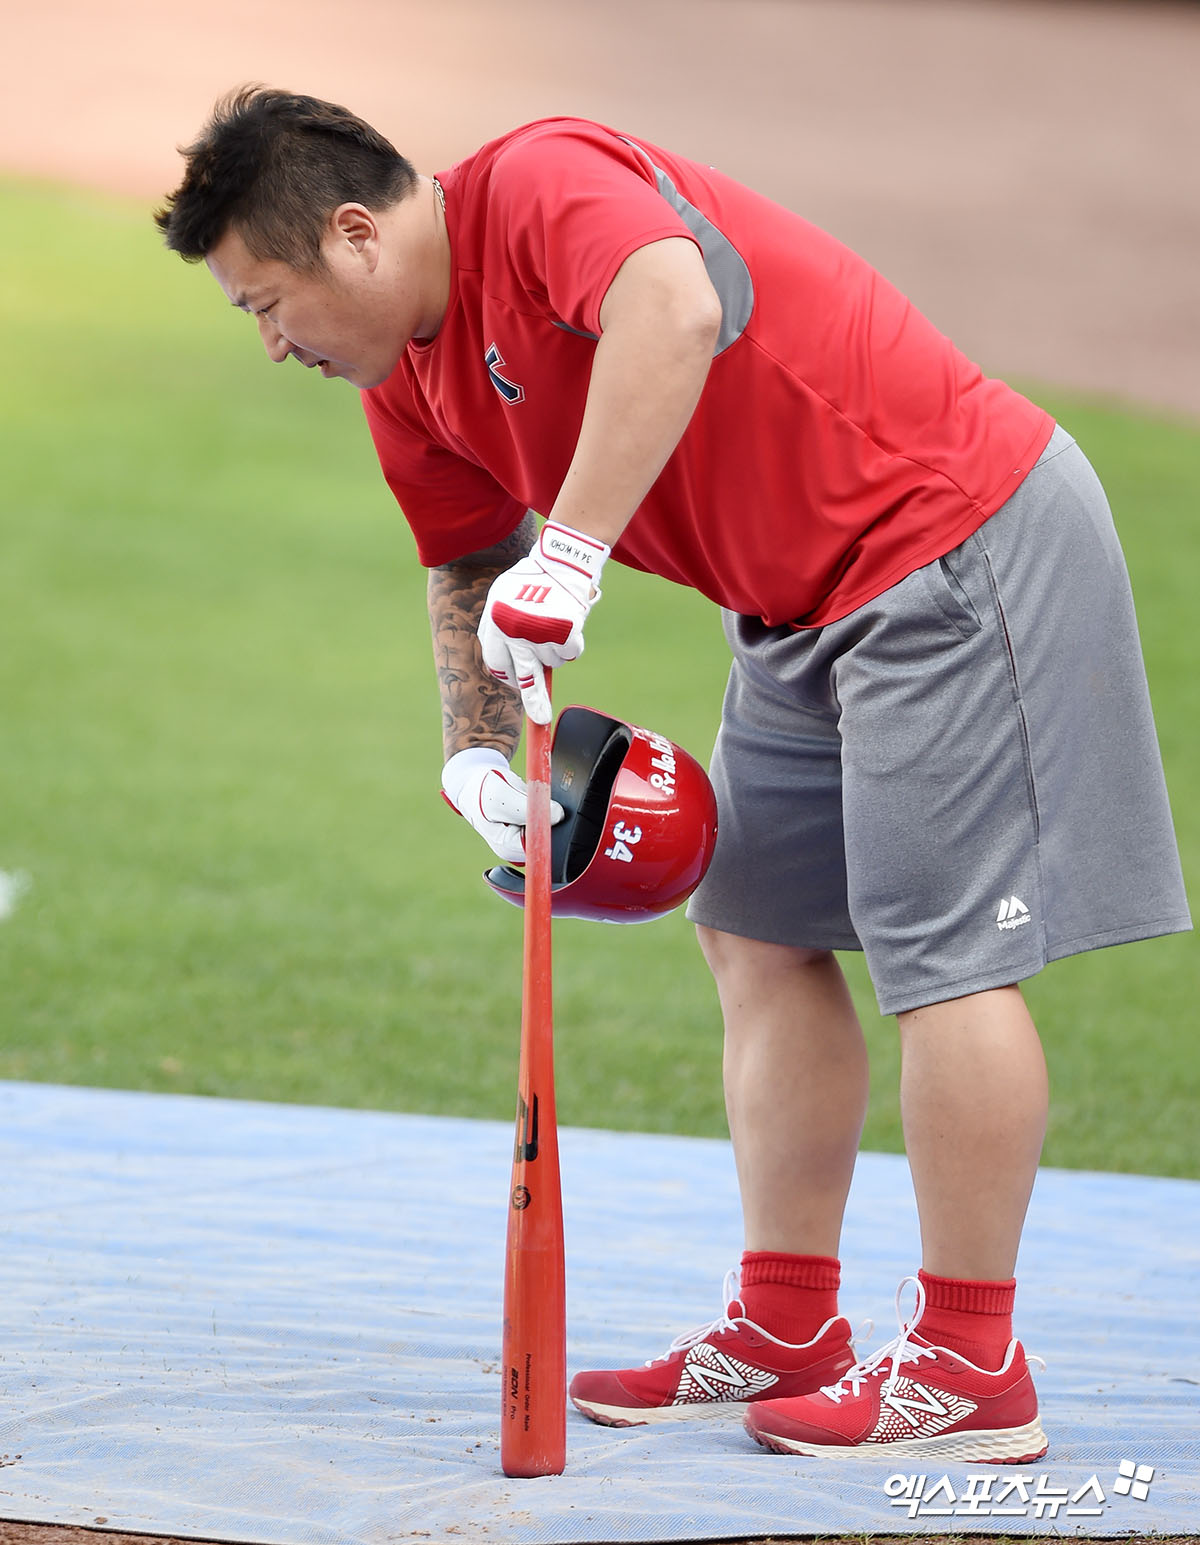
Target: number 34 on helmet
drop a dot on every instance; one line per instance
(640, 823)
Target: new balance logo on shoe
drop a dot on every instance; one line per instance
(1012, 914)
(918, 1403)
(711, 1375)
(923, 1411)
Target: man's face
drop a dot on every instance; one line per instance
(345, 319)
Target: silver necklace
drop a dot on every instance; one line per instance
(441, 197)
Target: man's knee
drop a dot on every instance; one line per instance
(993, 1004)
(731, 958)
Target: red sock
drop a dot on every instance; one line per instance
(971, 1318)
(790, 1296)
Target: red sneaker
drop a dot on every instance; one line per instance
(714, 1371)
(912, 1400)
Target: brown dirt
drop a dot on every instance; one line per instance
(1023, 169)
(54, 1534)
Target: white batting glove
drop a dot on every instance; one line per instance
(481, 786)
(534, 614)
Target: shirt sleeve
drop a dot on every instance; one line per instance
(452, 506)
(570, 201)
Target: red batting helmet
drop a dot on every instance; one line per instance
(640, 823)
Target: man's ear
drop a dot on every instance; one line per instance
(355, 225)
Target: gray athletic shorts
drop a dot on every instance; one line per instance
(962, 777)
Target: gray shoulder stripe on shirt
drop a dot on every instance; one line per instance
(725, 265)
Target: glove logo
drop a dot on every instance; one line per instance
(509, 390)
(535, 595)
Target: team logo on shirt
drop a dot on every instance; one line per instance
(509, 390)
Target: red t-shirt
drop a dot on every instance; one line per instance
(840, 441)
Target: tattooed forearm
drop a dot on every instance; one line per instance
(476, 709)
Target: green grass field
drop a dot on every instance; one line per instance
(220, 751)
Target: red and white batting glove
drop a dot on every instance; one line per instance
(481, 786)
(534, 614)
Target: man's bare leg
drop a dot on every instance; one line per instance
(974, 1098)
(796, 1084)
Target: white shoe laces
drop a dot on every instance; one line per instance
(690, 1338)
(899, 1350)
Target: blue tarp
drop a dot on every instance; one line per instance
(280, 1324)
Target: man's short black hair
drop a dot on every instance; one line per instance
(275, 166)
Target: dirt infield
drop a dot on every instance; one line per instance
(38, 1534)
(1023, 169)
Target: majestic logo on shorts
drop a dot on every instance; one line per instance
(509, 390)
(1012, 914)
(709, 1375)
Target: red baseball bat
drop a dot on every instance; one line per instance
(533, 1411)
